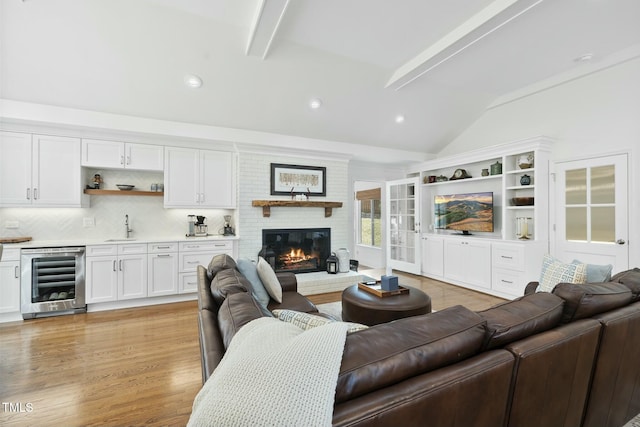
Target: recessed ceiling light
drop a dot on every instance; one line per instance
(399, 118)
(192, 81)
(584, 58)
(315, 103)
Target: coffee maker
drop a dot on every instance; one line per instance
(228, 230)
(200, 227)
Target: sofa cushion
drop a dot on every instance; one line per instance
(293, 301)
(236, 311)
(555, 271)
(520, 318)
(587, 300)
(220, 262)
(226, 282)
(306, 321)
(631, 279)
(250, 271)
(392, 352)
(269, 279)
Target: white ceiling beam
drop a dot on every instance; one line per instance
(265, 25)
(485, 22)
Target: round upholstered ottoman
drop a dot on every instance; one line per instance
(363, 307)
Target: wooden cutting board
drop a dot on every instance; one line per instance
(14, 239)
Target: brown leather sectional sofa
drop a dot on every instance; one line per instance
(566, 358)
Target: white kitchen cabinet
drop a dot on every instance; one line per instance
(10, 281)
(468, 261)
(116, 272)
(122, 155)
(40, 170)
(193, 254)
(199, 178)
(162, 262)
(432, 256)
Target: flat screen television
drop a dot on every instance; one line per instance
(464, 212)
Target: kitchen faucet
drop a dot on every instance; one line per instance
(126, 225)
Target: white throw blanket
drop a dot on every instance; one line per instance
(274, 374)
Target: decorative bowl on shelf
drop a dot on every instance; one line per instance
(125, 187)
(522, 201)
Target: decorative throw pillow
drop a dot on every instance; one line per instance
(307, 321)
(555, 271)
(270, 280)
(250, 271)
(597, 273)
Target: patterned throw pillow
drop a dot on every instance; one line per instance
(555, 271)
(307, 321)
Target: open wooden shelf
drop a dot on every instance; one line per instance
(122, 192)
(266, 205)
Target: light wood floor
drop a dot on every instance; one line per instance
(127, 367)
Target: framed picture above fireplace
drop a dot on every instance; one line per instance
(296, 179)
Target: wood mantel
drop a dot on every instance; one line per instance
(267, 204)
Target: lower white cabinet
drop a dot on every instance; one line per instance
(514, 265)
(116, 272)
(432, 256)
(193, 254)
(468, 261)
(10, 281)
(496, 267)
(162, 263)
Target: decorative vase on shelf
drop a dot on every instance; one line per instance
(525, 161)
(485, 172)
(496, 168)
(525, 179)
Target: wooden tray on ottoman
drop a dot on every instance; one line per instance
(377, 290)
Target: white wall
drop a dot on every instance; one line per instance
(594, 115)
(254, 178)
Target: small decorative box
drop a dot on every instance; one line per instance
(389, 283)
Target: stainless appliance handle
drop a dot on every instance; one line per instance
(57, 250)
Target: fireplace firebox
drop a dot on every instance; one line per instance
(297, 250)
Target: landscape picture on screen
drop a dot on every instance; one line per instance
(464, 212)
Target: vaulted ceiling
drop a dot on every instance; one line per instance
(438, 64)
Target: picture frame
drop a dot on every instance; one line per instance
(298, 179)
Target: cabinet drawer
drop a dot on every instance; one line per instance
(188, 283)
(509, 281)
(137, 248)
(508, 256)
(209, 245)
(190, 261)
(101, 250)
(162, 247)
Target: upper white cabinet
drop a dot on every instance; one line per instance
(122, 155)
(199, 178)
(40, 170)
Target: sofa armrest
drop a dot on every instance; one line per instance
(531, 288)
(288, 282)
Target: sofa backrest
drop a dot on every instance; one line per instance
(631, 279)
(520, 318)
(552, 375)
(589, 299)
(391, 352)
(615, 396)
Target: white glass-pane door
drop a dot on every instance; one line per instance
(403, 248)
(592, 205)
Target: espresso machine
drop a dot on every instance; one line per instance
(227, 230)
